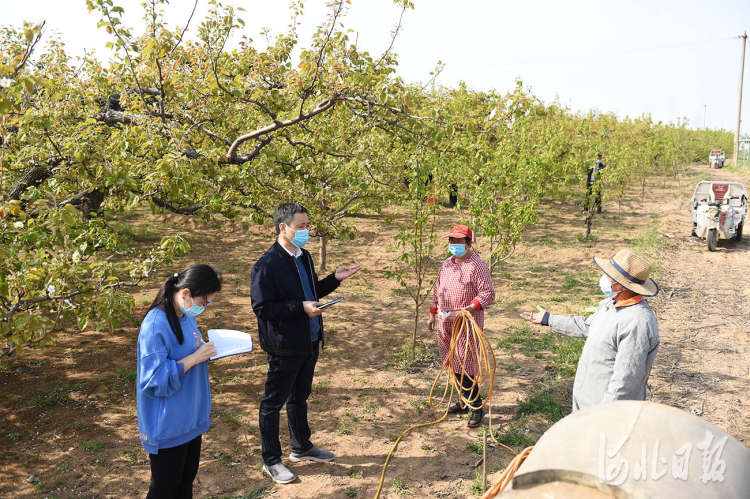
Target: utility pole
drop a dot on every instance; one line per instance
(704, 116)
(739, 106)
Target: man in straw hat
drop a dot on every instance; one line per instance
(622, 337)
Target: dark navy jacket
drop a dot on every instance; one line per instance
(276, 293)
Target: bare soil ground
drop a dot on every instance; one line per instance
(68, 418)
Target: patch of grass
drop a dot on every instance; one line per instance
(40, 486)
(226, 378)
(393, 436)
(413, 361)
(569, 282)
(92, 446)
(58, 395)
(132, 457)
(371, 407)
(475, 447)
(256, 493)
(649, 242)
(565, 354)
(549, 241)
(14, 436)
(322, 386)
(80, 426)
(3, 368)
(355, 472)
(400, 486)
(351, 493)
(100, 461)
(477, 483)
(429, 448)
(544, 402)
(125, 375)
(345, 427)
(230, 458)
(234, 418)
(525, 339)
(421, 405)
(582, 238)
(514, 436)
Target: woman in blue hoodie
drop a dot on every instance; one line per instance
(173, 392)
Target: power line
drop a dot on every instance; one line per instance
(608, 54)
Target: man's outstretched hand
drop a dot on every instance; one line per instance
(534, 317)
(344, 272)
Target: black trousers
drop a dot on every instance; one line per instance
(289, 381)
(173, 471)
(467, 391)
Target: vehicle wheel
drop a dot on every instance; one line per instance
(712, 238)
(738, 234)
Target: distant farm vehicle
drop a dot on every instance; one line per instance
(718, 210)
(716, 158)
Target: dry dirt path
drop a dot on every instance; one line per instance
(703, 310)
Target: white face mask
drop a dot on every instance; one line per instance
(606, 286)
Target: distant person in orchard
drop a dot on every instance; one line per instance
(172, 389)
(622, 336)
(594, 186)
(285, 291)
(463, 283)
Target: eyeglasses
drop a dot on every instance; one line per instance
(204, 299)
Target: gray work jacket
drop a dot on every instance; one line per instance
(621, 345)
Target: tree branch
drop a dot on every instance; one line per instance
(320, 108)
(191, 210)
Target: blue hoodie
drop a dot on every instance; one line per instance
(173, 406)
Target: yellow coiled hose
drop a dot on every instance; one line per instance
(465, 331)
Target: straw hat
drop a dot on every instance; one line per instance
(630, 270)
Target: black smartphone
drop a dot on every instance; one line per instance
(320, 307)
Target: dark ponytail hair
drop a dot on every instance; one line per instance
(201, 280)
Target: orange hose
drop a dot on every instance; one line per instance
(464, 330)
(508, 474)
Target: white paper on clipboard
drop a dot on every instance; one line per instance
(230, 342)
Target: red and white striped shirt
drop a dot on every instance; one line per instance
(459, 285)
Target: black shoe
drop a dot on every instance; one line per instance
(457, 409)
(475, 418)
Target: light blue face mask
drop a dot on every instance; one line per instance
(193, 311)
(457, 250)
(606, 286)
(300, 237)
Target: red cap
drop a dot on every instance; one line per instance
(461, 231)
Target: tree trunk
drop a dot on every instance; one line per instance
(32, 178)
(416, 323)
(322, 254)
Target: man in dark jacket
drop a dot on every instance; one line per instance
(285, 291)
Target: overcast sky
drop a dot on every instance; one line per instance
(664, 57)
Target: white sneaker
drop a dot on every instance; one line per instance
(314, 454)
(279, 473)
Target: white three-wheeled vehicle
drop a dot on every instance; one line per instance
(718, 210)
